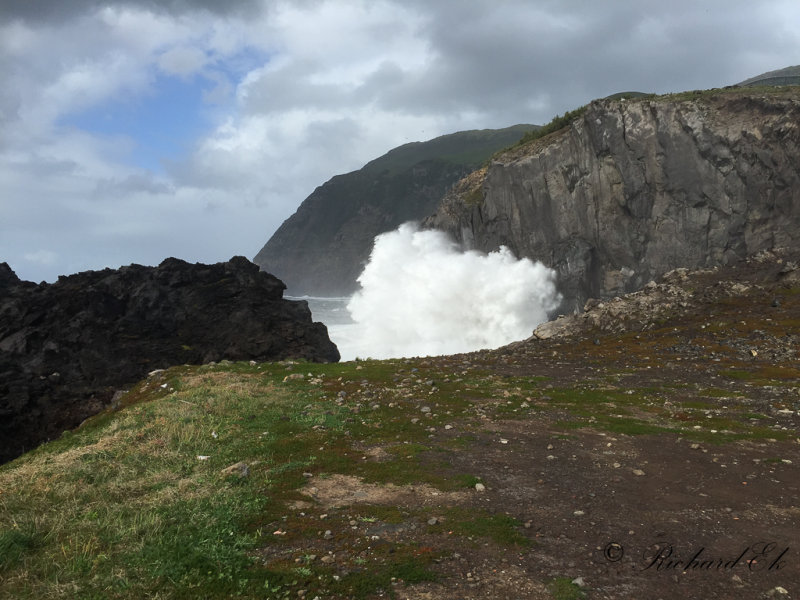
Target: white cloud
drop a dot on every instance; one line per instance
(42, 257)
(182, 61)
(300, 91)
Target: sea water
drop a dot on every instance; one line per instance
(342, 329)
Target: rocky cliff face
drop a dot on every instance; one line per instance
(323, 247)
(633, 189)
(66, 348)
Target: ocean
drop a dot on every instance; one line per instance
(343, 331)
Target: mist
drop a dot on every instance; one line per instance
(422, 296)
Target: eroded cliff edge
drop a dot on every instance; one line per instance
(632, 189)
(67, 347)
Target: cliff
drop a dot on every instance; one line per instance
(631, 189)
(322, 248)
(66, 348)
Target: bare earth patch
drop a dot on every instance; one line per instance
(339, 491)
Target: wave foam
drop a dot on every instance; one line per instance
(420, 295)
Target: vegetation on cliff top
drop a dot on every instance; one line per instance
(560, 122)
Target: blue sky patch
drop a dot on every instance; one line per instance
(164, 122)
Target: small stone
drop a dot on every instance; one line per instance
(415, 420)
(239, 469)
(448, 426)
(578, 513)
(616, 465)
(425, 409)
(294, 376)
(638, 472)
(777, 592)
(433, 521)
(503, 441)
(308, 475)
(579, 582)
(253, 363)
(328, 535)
(479, 487)
(327, 559)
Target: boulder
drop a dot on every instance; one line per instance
(67, 347)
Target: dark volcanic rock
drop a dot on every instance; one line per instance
(66, 347)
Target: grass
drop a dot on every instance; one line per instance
(562, 588)
(560, 122)
(502, 529)
(557, 123)
(127, 496)
(134, 503)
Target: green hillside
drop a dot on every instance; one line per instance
(786, 76)
(321, 249)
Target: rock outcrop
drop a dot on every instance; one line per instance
(322, 248)
(633, 189)
(759, 280)
(67, 347)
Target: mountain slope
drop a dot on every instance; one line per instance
(786, 76)
(321, 249)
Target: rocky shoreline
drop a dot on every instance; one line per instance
(66, 348)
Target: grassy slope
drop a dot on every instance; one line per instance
(125, 508)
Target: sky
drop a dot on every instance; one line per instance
(135, 130)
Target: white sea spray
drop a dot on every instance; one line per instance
(422, 296)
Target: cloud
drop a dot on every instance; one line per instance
(43, 257)
(182, 61)
(269, 99)
(57, 11)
